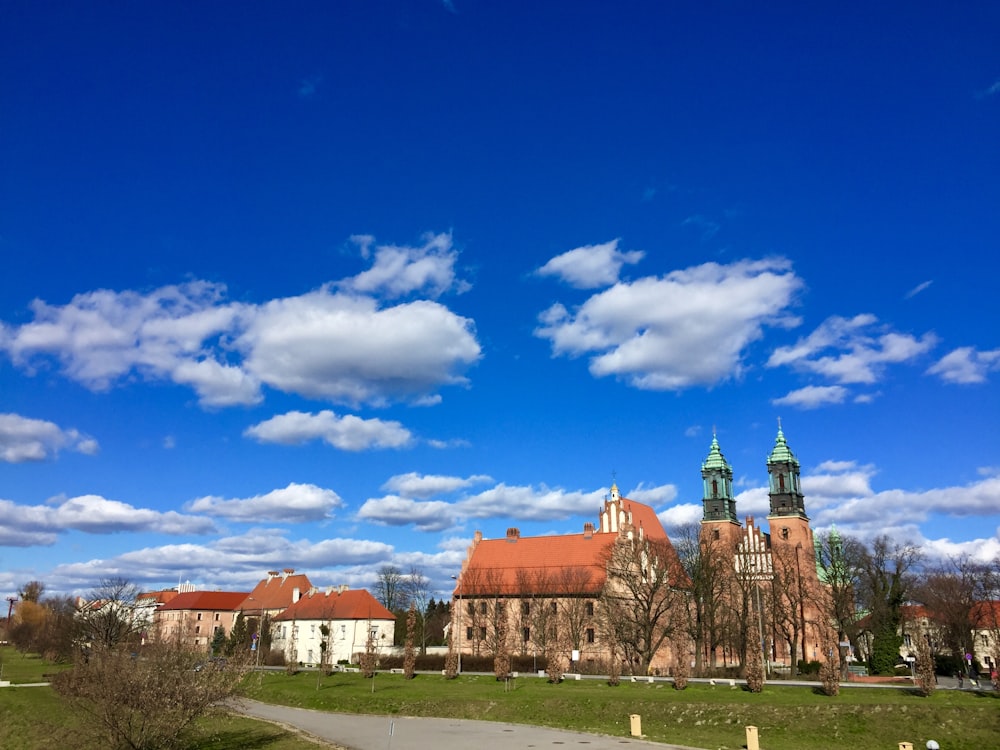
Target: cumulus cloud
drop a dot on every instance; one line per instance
(590, 266)
(966, 365)
(813, 396)
(348, 349)
(294, 503)
(92, 514)
(400, 270)
(26, 439)
(340, 342)
(680, 515)
(348, 433)
(688, 328)
(524, 503)
(414, 485)
(851, 350)
(653, 496)
(393, 510)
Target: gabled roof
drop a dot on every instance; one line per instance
(552, 565)
(355, 604)
(160, 597)
(215, 601)
(276, 592)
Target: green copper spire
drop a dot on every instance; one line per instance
(781, 452)
(715, 458)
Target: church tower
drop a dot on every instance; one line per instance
(718, 520)
(785, 490)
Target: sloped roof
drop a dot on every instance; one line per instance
(160, 597)
(216, 601)
(355, 604)
(276, 592)
(550, 565)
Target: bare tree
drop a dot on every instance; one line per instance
(790, 591)
(886, 580)
(708, 563)
(418, 592)
(32, 591)
(840, 563)
(949, 591)
(390, 588)
(148, 703)
(640, 596)
(108, 619)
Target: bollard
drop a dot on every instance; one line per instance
(905, 746)
(636, 721)
(753, 743)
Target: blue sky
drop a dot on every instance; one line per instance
(330, 286)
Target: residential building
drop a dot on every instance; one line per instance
(194, 617)
(349, 618)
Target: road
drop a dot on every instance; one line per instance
(401, 733)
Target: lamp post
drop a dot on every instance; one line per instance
(459, 623)
(10, 607)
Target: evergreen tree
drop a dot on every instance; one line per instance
(219, 642)
(239, 636)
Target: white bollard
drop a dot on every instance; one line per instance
(636, 721)
(753, 742)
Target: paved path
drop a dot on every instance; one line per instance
(372, 732)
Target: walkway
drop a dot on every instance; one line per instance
(373, 732)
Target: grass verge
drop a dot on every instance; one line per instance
(789, 718)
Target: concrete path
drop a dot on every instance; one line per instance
(373, 732)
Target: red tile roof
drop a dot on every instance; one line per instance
(551, 565)
(160, 597)
(276, 592)
(356, 604)
(215, 601)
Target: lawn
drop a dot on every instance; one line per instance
(34, 718)
(789, 718)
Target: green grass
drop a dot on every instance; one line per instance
(35, 718)
(789, 718)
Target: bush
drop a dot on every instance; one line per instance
(150, 701)
(809, 667)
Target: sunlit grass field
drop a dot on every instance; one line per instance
(788, 717)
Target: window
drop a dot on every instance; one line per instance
(526, 635)
(197, 628)
(482, 608)
(482, 634)
(199, 616)
(715, 534)
(715, 488)
(590, 635)
(216, 616)
(590, 609)
(468, 633)
(343, 632)
(555, 608)
(470, 608)
(784, 532)
(525, 608)
(907, 641)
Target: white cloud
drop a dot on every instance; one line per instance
(26, 439)
(682, 514)
(849, 351)
(94, 514)
(590, 266)
(529, 503)
(346, 349)
(918, 289)
(414, 485)
(393, 510)
(294, 503)
(966, 365)
(813, 396)
(349, 433)
(339, 346)
(401, 270)
(653, 496)
(686, 329)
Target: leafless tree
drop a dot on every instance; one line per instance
(840, 561)
(390, 587)
(150, 702)
(108, 618)
(32, 591)
(886, 581)
(949, 592)
(790, 593)
(641, 596)
(418, 592)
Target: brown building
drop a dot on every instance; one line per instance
(193, 616)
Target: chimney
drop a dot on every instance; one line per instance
(513, 534)
(588, 530)
(272, 574)
(477, 537)
(342, 588)
(295, 594)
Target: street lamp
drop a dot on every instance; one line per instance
(459, 624)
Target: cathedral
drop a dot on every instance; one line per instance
(620, 592)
